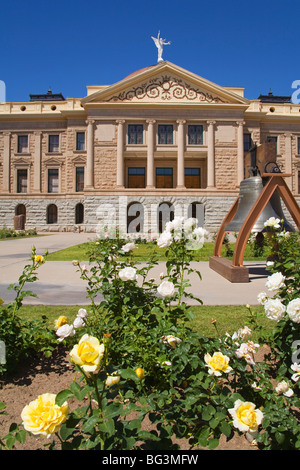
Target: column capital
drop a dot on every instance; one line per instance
(181, 121)
(211, 123)
(120, 121)
(90, 121)
(150, 121)
(240, 123)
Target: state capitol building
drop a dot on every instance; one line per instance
(161, 137)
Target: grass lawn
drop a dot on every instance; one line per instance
(79, 252)
(229, 318)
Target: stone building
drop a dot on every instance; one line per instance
(160, 142)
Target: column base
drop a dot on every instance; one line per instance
(150, 186)
(180, 186)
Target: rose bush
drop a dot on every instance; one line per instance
(138, 357)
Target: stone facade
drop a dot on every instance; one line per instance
(136, 146)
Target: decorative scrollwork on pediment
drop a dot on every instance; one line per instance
(166, 88)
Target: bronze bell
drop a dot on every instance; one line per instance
(250, 190)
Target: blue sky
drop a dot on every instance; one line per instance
(67, 45)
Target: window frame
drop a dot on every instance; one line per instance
(136, 134)
(77, 141)
(18, 170)
(165, 133)
(196, 126)
(23, 151)
(49, 143)
(79, 167)
(48, 180)
(142, 174)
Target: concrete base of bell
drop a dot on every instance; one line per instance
(224, 267)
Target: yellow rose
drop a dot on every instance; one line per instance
(217, 363)
(88, 354)
(62, 320)
(245, 416)
(43, 416)
(140, 373)
(39, 259)
(112, 380)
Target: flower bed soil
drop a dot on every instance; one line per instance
(51, 376)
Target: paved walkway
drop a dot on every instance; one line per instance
(60, 283)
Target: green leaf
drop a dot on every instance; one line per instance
(63, 396)
(213, 443)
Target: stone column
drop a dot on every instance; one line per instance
(180, 154)
(89, 180)
(240, 150)
(37, 162)
(211, 154)
(288, 161)
(6, 162)
(150, 154)
(120, 154)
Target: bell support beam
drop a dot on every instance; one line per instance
(234, 270)
(276, 181)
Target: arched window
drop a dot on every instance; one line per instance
(196, 210)
(21, 210)
(165, 213)
(52, 214)
(135, 218)
(79, 213)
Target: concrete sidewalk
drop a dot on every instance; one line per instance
(60, 283)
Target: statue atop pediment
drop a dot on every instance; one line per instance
(159, 42)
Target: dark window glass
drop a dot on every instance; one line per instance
(79, 179)
(53, 180)
(135, 134)
(164, 177)
(53, 143)
(79, 213)
(23, 144)
(80, 141)
(22, 181)
(165, 134)
(195, 135)
(247, 142)
(136, 177)
(52, 214)
(273, 139)
(192, 177)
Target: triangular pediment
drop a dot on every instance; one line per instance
(164, 83)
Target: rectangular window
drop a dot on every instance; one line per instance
(135, 134)
(247, 142)
(53, 183)
(298, 182)
(192, 177)
(195, 135)
(22, 181)
(23, 144)
(53, 143)
(79, 179)
(136, 177)
(80, 141)
(164, 177)
(165, 134)
(273, 139)
(298, 146)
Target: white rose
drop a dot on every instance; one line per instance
(274, 309)
(128, 247)
(293, 310)
(175, 224)
(171, 340)
(82, 313)
(284, 389)
(78, 322)
(272, 222)
(165, 240)
(200, 234)
(166, 289)
(296, 368)
(275, 282)
(262, 297)
(64, 331)
(128, 274)
(190, 224)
